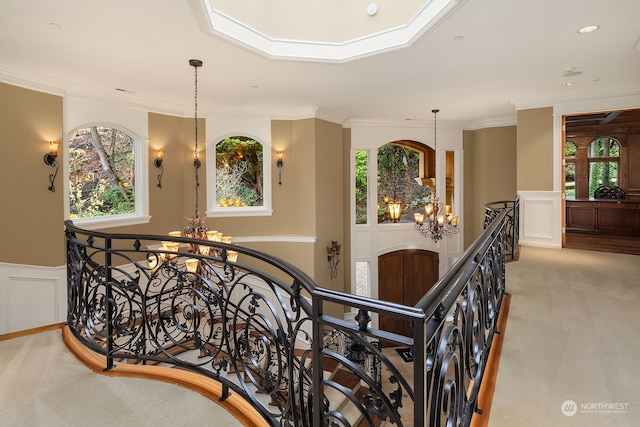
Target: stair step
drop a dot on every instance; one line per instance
(346, 378)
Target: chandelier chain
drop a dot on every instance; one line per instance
(196, 162)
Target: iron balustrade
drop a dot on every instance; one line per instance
(257, 325)
(512, 207)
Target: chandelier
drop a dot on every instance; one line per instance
(196, 228)
(434, 222)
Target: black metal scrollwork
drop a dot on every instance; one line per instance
(263, 336)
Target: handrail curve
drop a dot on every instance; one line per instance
(257, 326)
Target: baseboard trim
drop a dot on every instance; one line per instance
(234, 404)
(32, 331)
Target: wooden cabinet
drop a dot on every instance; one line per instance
(618, 217)
(404, 277)
(603, 225)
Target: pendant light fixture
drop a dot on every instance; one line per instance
(434, 223)
(197, 228)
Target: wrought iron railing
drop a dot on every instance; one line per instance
(257, 325)
(512, 207)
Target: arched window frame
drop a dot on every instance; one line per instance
(240, 211)
(141, 183)
(426, 168)
(593, 160)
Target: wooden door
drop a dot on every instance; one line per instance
(404, 277)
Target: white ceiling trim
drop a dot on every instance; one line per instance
(32, 81)
(220, 24)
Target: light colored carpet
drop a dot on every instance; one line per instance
(43, 384)
(571, 336)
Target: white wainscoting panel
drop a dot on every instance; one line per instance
(31, 296)
(540, 218)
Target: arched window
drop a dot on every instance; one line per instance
(401, 168)
(241, 185)
(570, 157)
(103, 182)
(604, 158)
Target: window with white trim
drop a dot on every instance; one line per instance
(241, 183)
(105, 162)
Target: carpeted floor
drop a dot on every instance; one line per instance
(571, 341)
(43, 384)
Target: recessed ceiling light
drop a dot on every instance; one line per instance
(568, 84)
(588, 29)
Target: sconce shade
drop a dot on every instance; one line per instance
(52, 155)
(159, 158)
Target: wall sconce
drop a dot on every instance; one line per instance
(279, 163)
(196, 159)
(51, 159)
(158, 164)
(333, 257)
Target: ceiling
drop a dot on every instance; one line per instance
(480, 63)
(604, 119)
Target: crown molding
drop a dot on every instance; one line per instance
(589, 96)
(492, 122)
(33, 81)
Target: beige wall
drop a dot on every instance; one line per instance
(313, 199)
(469, 176)
(31, 215)
(309, 202)
(535, 149)
(329, 199)
(490, 173)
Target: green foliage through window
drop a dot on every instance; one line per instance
(239, 172)
(101, 172)
(361, 186)
(603, 170)
(398, 168)
(570, 153)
